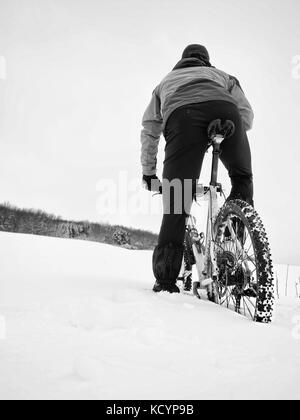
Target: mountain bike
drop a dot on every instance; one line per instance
(233, 259)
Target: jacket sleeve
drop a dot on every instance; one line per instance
(243, 104)
(150, 136)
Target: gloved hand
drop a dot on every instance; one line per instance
(152, 183)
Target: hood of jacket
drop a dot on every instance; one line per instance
(191, 62)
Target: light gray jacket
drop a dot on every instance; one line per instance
(181, 87)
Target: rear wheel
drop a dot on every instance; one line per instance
(245, 281)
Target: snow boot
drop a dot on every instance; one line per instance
(167, 262)
(171, 288)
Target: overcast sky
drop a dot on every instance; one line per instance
(80, 73)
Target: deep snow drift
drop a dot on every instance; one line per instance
(81, 322)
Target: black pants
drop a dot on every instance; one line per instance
(186, 144)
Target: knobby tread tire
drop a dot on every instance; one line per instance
(261, 246)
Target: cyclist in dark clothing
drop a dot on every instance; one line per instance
(182, 106)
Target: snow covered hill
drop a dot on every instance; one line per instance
(78, 321)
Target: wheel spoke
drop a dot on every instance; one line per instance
(246, 297)
(229, 296)
(249, 258)
(249, 309)
(244, 307)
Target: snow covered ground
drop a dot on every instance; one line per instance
(78, 321)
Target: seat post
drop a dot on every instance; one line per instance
(216, 143)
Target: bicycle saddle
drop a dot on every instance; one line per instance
(217, 128)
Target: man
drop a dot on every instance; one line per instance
(182, 106)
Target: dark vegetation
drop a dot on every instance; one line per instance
(37, 222)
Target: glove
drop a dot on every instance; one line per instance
(152, 183)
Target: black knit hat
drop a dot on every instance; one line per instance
(196, 51)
